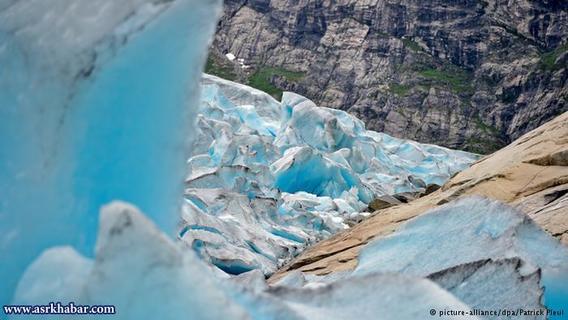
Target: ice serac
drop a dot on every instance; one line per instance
(93, 107)
(488, 244)
(137, 268)
(159, 278)
(267, 178)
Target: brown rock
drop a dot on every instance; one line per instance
(431, 189)
(383, 202)
(559, 158)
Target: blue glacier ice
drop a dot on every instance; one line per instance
(138, 269)
(159, 278)
(469, 231)
(268, 178)
(147, 275)
(98, 110)
(94, 102)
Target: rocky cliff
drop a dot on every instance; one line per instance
(468, 74)
(531, 174)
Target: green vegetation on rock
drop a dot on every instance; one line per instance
(261, 79)
(219, 69)
(411, 44)
(489, 141)
(548, 60)
(399, 89)
(482, 146)
(458, 80)
(485, 127)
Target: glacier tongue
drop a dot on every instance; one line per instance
(267, 178)
(93, 108)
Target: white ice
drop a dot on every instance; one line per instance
(268, 178)
(146, 275)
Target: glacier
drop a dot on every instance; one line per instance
(93, 108)
(160, 278)
(268, 178)
(95, 126)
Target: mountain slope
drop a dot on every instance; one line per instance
(530, 174)
(471, 74)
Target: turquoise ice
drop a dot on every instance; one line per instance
(468, 231)
(94, 100)
(268, 178)
(99, 110)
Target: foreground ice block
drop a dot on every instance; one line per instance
(392, 296)
(138, 269)
(268, 178)
(95, 105)
(469, 232)
(146, 275)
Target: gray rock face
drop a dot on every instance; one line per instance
(469, 74)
